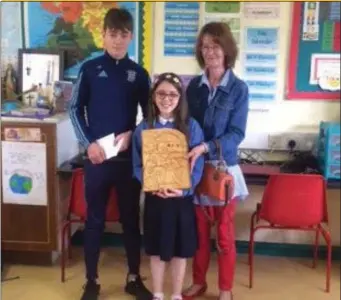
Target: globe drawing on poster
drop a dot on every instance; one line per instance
(24, 173)
(21, 182)
(74, 27)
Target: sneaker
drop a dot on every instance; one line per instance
(91, 291)
(136, 288)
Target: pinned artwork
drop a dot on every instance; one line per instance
(165, 162)
(330, 81)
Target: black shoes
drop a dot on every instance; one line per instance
(136, 288)
(91, 291)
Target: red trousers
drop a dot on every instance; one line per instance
(224, 217)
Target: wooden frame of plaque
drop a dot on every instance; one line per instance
(164, 159)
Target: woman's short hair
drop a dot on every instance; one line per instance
(222, 35)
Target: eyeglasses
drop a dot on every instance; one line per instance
(171, 96)
(206, 48)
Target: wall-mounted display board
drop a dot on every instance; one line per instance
(314, 57)
(75, 27)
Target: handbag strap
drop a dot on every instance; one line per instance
(221, 161)
(213, 222)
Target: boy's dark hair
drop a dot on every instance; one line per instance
(119, 19)
(222, 35)
(181, 117)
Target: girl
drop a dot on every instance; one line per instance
(218, 100)
(169, 217)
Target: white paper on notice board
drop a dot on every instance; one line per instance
(262, 10)
(24, 175)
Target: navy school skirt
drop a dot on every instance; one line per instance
(170, 227)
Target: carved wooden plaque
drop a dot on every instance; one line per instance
(165, 162)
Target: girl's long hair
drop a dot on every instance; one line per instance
(180, 112)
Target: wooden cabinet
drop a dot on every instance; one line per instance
(30, 233)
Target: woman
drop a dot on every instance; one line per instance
(218, 100)
(169, 216)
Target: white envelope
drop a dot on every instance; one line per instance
(107, 144)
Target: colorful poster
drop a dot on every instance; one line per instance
(336, 39)
(334, 11)
(181, 28)
(262, 85)
(262, 10)
(11, 34)
(261, 39)
(232, 20)
(75, 27)
(260, 59)
(328, 36)
(23, 134)
(323, 65)
(24, 175)
(222, 7)
(311, 21)
(262, 97)
(260, 71)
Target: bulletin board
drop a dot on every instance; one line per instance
(315, 46)
(75, 27)
(67, 26)
(256, 27)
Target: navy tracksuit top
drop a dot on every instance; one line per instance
(106, 96)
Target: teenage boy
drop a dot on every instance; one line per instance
(105, 100)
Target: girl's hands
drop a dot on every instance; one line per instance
(168, 193)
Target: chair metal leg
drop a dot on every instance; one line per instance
(326, 235)
(252, 226)
(69, 243)
(251, 256)
(316, 245)
(63, 250)
(329, 265)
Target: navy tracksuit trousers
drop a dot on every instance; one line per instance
(99, 179)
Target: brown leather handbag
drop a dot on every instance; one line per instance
(216, 183)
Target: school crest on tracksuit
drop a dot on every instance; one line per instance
(131, 75)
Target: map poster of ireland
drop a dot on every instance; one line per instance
(165, 162)
(24, 179)
(74, 27)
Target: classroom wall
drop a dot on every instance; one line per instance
(283, 115)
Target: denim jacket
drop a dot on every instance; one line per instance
(223, 118)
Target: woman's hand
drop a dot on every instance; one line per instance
(195, 153)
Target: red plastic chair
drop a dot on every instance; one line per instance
(76, 213)
(295, 202)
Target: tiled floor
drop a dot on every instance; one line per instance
(275, 279)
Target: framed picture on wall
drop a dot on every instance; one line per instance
(39, 69)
